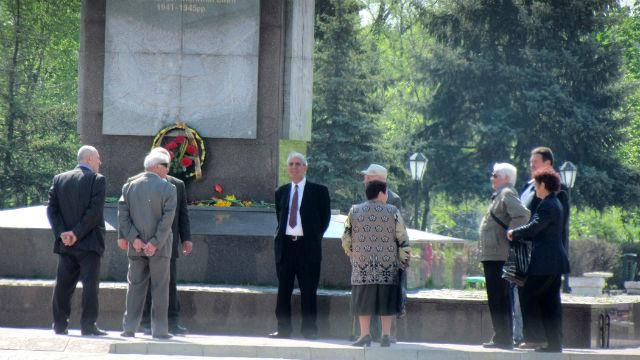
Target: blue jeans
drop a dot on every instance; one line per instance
(517, 315)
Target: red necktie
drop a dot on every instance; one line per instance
(293, 211)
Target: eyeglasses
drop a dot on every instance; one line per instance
(494, 175)
(292, 164)
(165, 165)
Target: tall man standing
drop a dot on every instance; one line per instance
(541, 158)
(181, 229)
(75, 212)
(303, 213)
(145, 213)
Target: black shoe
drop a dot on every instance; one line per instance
(492, 345)
(385, 341)
(310, 336)
(280, 335)
(363, 341)
(61, 329)
(163, 337)
(93, 331)
(146, 330)
(178, 330)
(548, 350)
(128, 334)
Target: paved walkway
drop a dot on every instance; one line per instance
(32, 344)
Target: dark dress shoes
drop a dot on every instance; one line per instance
(178, 330)
(162, 337)
(61, 329)
(385, 341)
(146, 330)
(548, 350)
(280, 335)
(128, 334)
(310, 336)
(493, 345)
(93, 331)
(363, 341)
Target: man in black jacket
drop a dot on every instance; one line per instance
(303, 214)
(75, 212)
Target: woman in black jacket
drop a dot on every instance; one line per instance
(542, 310)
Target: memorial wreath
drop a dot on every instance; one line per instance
(186, 148)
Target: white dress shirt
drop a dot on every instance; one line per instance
(297, 230)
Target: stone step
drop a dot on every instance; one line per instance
(40, 343)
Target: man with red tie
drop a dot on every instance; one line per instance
(303, 213)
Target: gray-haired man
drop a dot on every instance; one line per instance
(145, 213)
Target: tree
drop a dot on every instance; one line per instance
(38, 95)
(344, 127)
(512, 75)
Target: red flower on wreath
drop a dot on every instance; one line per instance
(186, 161)
(218, 188)
(172, 145)
(191, 149)
(180, 139)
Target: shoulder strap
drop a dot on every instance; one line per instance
(505, 226)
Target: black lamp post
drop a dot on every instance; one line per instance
(417, 167)
(568, 172)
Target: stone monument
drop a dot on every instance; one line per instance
(237, 71)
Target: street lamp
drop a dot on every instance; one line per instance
(417, 167)
(568, 173)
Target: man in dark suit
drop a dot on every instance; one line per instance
(303, 213)
(181, 229)
(75, 212)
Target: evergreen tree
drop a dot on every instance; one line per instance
(512, 75)
(344, 128)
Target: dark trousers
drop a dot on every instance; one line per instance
(542, 310)
(293, 265)
(498, 295)
(174, 304)
(74, 266)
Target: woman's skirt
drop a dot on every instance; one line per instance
(375, 299)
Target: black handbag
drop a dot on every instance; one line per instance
(515, 268)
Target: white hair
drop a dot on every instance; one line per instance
(508, 170)
(295, 154)
(154, 158)
(161, 150)
(85, 152)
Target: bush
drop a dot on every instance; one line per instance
(593, 255)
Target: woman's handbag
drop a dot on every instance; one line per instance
(515, 268)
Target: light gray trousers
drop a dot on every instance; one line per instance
(144, 272)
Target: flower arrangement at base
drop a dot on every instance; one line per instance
(186, 149)
(221, 200)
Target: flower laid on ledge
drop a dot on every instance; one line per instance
(221, 200)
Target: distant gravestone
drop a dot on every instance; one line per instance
(196, 61)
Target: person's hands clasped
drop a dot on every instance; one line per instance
(138, 245)
(150, 249)
(404, 254)
(68, 238)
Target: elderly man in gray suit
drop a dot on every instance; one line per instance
(145, 214)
